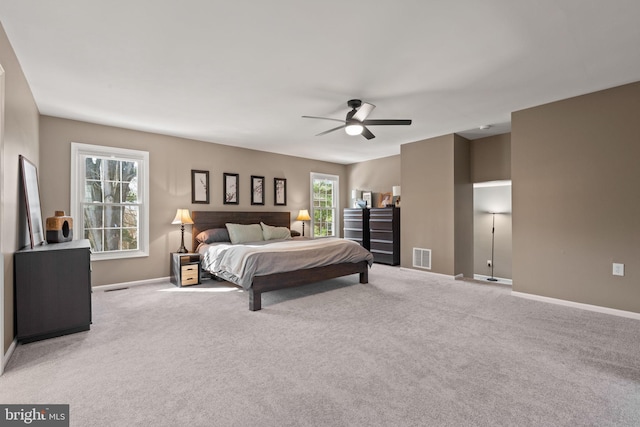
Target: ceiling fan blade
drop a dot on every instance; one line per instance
(385, 122)
(322, 118)
(330, 130)
(364, 111)
(367, 133)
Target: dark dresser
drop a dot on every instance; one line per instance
(356, 225)
(384, 235)
(52, 290)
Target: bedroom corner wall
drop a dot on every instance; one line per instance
(428, 202)
(437, 203)
(377, 176)
(20, 137)
(463, 209)
(171, 162)
(576, 203)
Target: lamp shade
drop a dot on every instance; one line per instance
(396, 190)
(182, 217)
(303, 215)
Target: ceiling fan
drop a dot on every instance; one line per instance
(356, 122)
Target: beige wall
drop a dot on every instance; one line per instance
(427, 202)
(377, 176)
(576, 198)
(491, 158)
(20, 137)
(463, 208)
(171, 162)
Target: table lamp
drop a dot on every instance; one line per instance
(182, 218)
(396, 193)
(303, 216)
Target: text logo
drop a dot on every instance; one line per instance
(34, 415)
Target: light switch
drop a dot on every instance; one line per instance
(618, 269)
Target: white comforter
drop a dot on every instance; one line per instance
(240, 263)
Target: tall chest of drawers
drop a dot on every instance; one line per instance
(356, 226)
(384, 235)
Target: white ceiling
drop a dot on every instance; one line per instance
(243, 73)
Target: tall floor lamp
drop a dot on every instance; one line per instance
(493, 235)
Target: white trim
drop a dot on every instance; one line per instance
(9, 353)
(588, 307)
(336, 197)
(492, 184)
(102, 288)
(77, 151)
(501, 280)
(431, 273)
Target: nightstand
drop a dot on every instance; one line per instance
(185, 269)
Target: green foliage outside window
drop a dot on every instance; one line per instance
(110, 204)
(323, 208)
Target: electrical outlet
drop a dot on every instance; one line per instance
(489, 262)
(618, 269)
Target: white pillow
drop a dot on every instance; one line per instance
(270, 232)
(241, 233)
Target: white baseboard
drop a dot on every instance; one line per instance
(8, 354)
(589, 307)
(431, 273)
(501, 280)
(102, 288)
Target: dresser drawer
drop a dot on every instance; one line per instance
(354, 215)
(381, 224)
(386, 247)
(189, 274)
(354, 234)
(381, 235)
(383, 258)
(352, 223)
(381, 213)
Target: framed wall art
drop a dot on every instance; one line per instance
(280, 191)
(366, 196)
(230, 188)
(386, 199)
(257, 190)
(199, 186)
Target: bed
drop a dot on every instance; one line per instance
(260, 283)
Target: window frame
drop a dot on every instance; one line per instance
(79, 152)
(336, 202)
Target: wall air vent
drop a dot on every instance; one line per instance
(422, 258)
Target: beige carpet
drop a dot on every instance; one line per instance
(407, 349)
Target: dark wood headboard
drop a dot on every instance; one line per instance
(204, 220)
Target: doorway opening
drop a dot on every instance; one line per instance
(492, 232)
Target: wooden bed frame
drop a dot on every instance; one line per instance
(204, 220)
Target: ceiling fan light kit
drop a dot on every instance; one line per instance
(353, 128)
(356, 121)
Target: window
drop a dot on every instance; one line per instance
(324, 207)
(110, 199)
